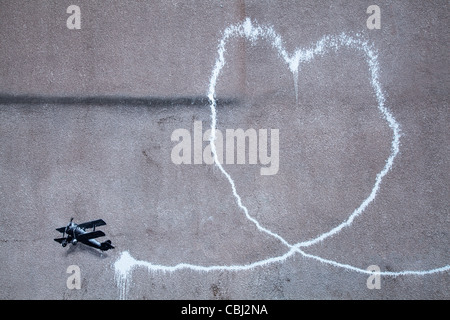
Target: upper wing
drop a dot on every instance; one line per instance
(90, 235)
(91, 224)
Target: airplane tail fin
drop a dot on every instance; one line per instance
(106, 245)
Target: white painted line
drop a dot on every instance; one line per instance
(251, 31)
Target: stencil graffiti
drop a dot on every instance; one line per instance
(252, 31)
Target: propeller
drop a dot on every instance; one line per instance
(67, 228)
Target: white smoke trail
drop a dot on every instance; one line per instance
(253, 32)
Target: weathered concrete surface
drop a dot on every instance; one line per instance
(111, 160)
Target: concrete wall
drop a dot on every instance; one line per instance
(86, 118)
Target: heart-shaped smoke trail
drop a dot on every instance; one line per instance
(253, 32)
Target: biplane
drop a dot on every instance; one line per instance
(77, 233)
